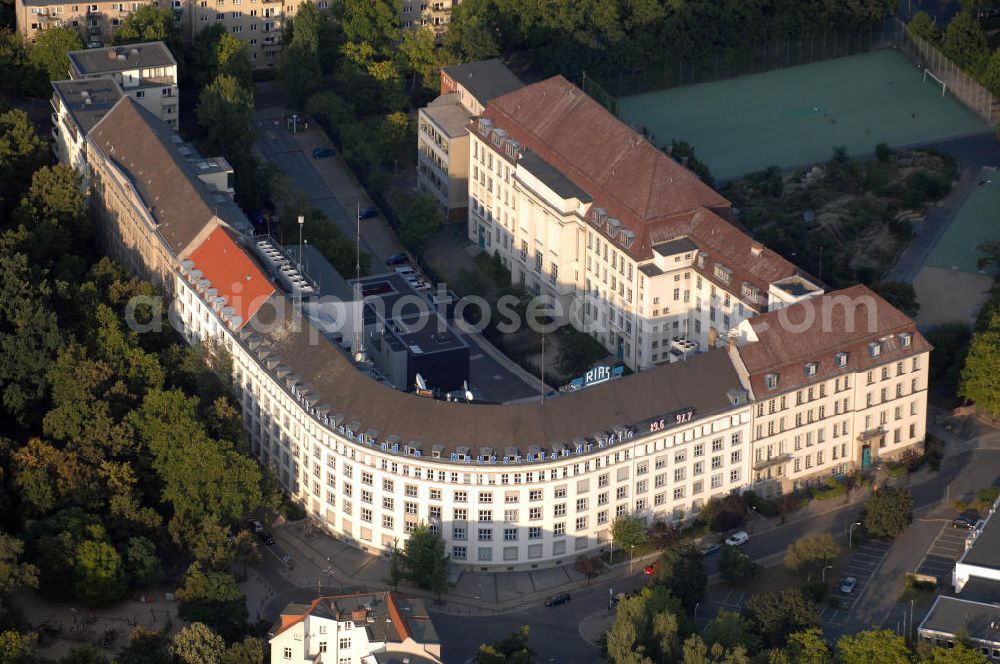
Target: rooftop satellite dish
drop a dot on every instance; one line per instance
(421, 383)
(468, 392)
(359, 357)
(468, 396)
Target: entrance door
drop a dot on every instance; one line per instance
(866, 456)
(621, 348)
(482, 237)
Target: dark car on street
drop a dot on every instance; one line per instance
(709, 549)
(323, 153)
(965, 522)
(556, 600)
(397, 259)
(367, 213)
(265, 537)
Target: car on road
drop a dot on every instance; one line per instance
(648, 570)
(265, 537)
(367, 213)
(709, 549)
(965, 521)
(397, 259)
(406, 271)
(847, 585)
(323, 153)
(738, 539)
(556, 600)
(254, 526)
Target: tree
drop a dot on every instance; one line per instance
(775, 615)
(511, 649)
(216, 51)
(420, 218)
(213, 598)
(225, 113)
(959, 653)
(628, 532)
(50, 48)
(922, 25)
(731, 630)
(991, 77)
(99, 573)
(697, 652)
(965, 43)
(590, 566)
(396, 573)
(682, 572)
(373, 22)
(420, 55)
(980, 379)
(424, 560)
(735, 566)
(811, 553)
(872, 647)
(84, 655)
(471, 33)
(151, 23)
(647, 628)
(807, 647)
(301, 73)
(248, 651)
(17, 648)
(663, 535)
(726, 513)
(900, 295)
(887, 513)
(198, 644)
(146, 647)
(22, 152)
(142, 566)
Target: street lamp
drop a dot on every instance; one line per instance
(824, 572)
(850, 534)
(631, 550)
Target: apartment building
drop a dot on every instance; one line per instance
(76, 107)
(584, 209)
(443, 130)
(508, 486)
(431, 14)
(97, 20)
(840, 382)
(145, 72)
(360, 628)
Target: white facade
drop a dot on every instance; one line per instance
(317, 640)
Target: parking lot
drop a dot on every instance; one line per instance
(942, 554)
(863, 564)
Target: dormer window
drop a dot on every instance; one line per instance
(875, 348)
(723, 273)
(700, 260)
(905, 339)
(628, 238)
(771, 381)
(811, 368)
(841, 360)
(600, 214)
(613, 226)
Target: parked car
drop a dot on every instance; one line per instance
(965, 522)
(265, 537)
(709, 549)
(254, 526)
(406, 271)
(648, 570)
(738, 539)
(847, 585)
(421, 286)
(397, 259)
(556, 600)
(367, 213)
(323, 153)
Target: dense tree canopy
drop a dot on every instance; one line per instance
(980, 380)
(48, 53)
(888, 512)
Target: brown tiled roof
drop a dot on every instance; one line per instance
(330, 377)
(817, 329)
(143, 146)
(624, 173)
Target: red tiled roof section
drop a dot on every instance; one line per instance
(232, 273)
(397, 618)
(624, 173)
(291, 619)
(818, 328)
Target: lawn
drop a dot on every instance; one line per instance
(978, 221)
(793, 116)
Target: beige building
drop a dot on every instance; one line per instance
(145, 72)
(639, 252)
(96, 20)
(443, 130)
(76, 107)
(507, 486)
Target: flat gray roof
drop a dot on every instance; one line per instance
(552, 177)
(679, 246)
(485, 79)
(88, 100)
(955, 616)
(120, 58)
(449, 115)
(985, 551)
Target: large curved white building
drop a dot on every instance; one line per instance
(800, 391)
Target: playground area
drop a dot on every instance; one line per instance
(950, 286)
(794, 116)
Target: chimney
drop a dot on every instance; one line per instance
(358, 615)
(756, 248)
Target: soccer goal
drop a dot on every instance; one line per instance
(937, 81)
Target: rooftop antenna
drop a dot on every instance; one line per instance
(359, 353)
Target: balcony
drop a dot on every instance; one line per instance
(871, 434)
(772, 461)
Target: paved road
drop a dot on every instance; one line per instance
(972, 153)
